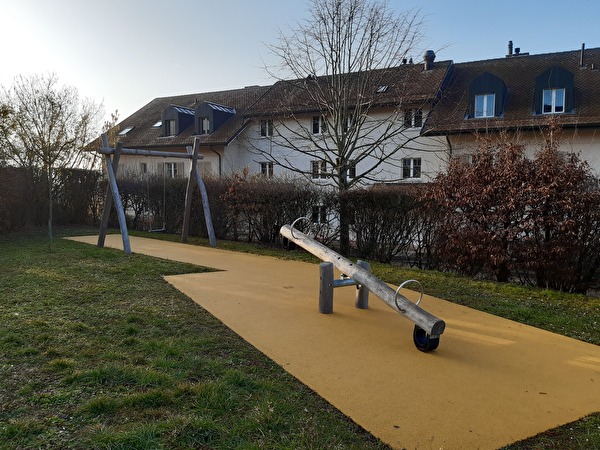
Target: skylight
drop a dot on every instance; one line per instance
(381, 89)
(157, 124)
(125, 131)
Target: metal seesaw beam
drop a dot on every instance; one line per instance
(430, 324)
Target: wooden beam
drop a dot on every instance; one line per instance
(188, 194)
(108, 196)
(141, 152)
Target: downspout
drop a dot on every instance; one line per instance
(220, 161)
(450, 150)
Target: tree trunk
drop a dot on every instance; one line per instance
(344, 215)
(50, 201)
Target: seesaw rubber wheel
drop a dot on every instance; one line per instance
(423, 341)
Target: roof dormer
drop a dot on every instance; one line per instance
(487, 97)
(175, 119)
(554, 92)
(210, 116)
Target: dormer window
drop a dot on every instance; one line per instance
(554, 92)
(203, 125)
(175, 119)
(487, 97)
(553, 101)
(485, 105)
(170, 129)
(210, 116)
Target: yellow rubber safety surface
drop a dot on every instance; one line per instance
(491, 381)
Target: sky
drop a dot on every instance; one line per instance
(124, 53)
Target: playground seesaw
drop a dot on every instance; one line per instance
(428, 328)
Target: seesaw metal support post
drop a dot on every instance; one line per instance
(327, 284)
(428, 327)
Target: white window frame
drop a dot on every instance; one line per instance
(319, 214)
(266, 169)
(553, 101)
(413, 118)
(318, 125)
(318, 169)
(170, 169)
(170, 127)
(266, 127)
(411, 168)
(351, 169)
(204, 125)
(488, 106)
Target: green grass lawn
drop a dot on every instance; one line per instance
(98, 351)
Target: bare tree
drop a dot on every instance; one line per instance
(44, 127)
(344, 61)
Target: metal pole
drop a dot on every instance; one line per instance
(362, 293)
(326, 288)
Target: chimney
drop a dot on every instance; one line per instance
(428, 58)
(517, 51)
(581, 58)
(510, 49)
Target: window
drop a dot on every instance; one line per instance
(411, 168)
(171, 170)
(319, 125)
(487, 97)
(319, 214)
(484, 105)
(555, 92)
(204, 125)
(169, 128)
(413, 118)
(319, 169)
(266, 127)
(143, 168)
(266, 169)
(418, 118)
(553, 101)
(352, 169)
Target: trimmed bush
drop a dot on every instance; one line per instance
(384, 220)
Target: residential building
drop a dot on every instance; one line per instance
(247, 129)
(172, 123)
(517, 95)
(438, 108)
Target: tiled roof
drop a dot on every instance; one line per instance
(519, 75)
(145, 135)
(408, 83)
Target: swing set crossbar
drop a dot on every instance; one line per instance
(143, 152)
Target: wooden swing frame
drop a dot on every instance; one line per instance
(112, 190)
